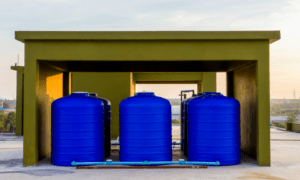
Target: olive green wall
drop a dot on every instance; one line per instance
(245, 92)
(112, 86)
(50, 88)
(209, 82)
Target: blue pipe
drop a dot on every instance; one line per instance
(116, 144)
(186, 91)
(146, 163)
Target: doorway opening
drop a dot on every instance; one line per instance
(222, 83)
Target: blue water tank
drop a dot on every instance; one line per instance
(145, 128)
(77, 131)
(184, 114)
(214, 129)
(107, 120)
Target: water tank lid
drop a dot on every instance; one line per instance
(93, 94)
(145, 94)
(80, 93)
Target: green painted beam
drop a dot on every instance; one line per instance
(185, 51)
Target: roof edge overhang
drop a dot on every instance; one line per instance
(24, 36)
(17, 68)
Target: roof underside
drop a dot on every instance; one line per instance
(23, 36)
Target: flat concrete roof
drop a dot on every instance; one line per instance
(17, 68)
(23, 36)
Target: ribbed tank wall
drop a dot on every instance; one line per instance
(107, 124)
(214, 129)
(77, 132)
(145, 128)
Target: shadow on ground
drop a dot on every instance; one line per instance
(41, 172)
(11, 163)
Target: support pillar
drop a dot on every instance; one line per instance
(20, 100)
(30, 142)
(263, 108)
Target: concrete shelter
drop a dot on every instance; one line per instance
(112, 63)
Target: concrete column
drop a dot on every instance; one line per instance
(31, 76)
(20, 96)
(263, 108)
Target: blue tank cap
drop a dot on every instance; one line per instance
(80, 93)
(93, 94)
(145, 94)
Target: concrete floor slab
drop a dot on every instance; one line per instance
(285, 166)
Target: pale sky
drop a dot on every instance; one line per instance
(121, 15)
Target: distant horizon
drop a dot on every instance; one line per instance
(270, 99)
(1, 98)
